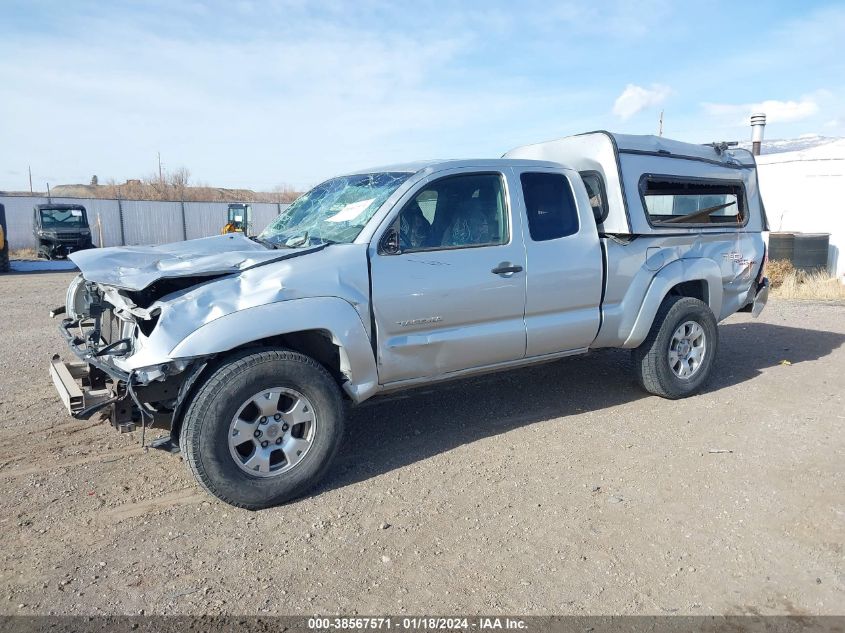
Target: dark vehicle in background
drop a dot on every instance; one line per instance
(60, 229)
(4, 242)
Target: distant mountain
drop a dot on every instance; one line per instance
(778, 146)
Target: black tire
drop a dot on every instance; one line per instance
(4, 259)
(651, 358)
(204, 435)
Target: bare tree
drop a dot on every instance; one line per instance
(176, 185)
(285, 193)
(178, 181)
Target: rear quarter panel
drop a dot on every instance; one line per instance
(640, 274)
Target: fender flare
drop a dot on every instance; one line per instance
(678, 271)
(332, 314)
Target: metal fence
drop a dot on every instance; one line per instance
(134, 222)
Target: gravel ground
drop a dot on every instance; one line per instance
(556, 489)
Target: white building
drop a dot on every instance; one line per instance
(802, 183)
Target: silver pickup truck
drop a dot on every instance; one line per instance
(249, 349)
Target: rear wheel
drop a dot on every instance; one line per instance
(677, 356)
(263, 428)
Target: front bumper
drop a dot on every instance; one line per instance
(94, 383)
(63, 248)
(90, 384)
(74, 386)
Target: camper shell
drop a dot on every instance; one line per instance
(624, 163)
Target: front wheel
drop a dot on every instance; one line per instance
(677, 356)
(263, 428)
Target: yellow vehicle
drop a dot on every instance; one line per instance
(4, 245)
(239, 219)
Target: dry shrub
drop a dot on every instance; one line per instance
(777, 270)
(173, 185)
(816, 285)
(23, 253)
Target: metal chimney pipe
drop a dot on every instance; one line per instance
(758, 125)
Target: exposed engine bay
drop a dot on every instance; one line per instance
(103, 325)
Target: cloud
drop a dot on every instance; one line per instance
(237, 111)
(635, 99)
(776, 111)
(251, 102)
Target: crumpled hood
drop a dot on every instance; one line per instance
(136, 267)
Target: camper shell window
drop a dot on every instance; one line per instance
(596, 193)
(683, 202)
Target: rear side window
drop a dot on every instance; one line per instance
(550, 206)
(671, 201)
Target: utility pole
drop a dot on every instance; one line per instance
(120, 217)
(160, 174)
(29, 167)
(660, 125)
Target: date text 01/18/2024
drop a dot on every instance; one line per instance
(415, 623)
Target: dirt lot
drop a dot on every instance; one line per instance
(555, 489)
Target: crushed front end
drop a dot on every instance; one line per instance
(131, 309)
(102, 327)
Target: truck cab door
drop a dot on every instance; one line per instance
(448, 278)
(565, 263)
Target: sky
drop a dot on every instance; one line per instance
(289, 92)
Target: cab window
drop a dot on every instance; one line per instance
(455, 212)
(549, 205)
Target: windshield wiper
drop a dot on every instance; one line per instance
(295, 242)
(264, 242)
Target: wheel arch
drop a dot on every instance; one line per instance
(697, 278)
(328, 329)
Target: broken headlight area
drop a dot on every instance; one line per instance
(94, 325)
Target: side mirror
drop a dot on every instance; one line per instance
(389, 244)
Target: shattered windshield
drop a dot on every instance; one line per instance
(335, 211)
(63, 219)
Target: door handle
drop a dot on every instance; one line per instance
(506, 268)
